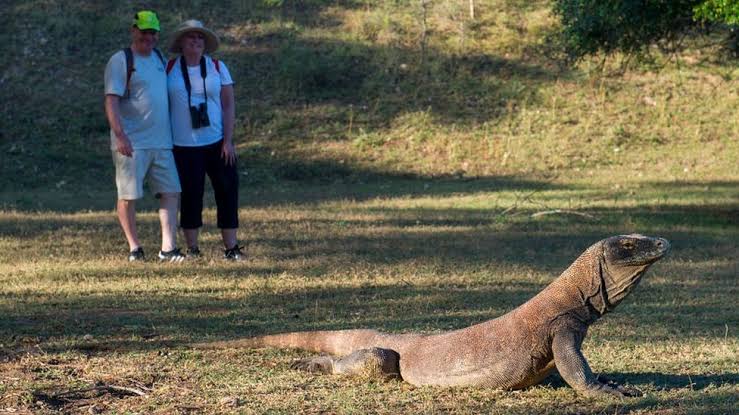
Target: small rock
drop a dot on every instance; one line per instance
(232, 401)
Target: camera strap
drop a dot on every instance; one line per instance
(186, 78)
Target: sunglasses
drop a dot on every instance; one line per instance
(195, 35)
(149, 32)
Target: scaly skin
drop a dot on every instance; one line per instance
(513, 351)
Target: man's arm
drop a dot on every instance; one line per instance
(112, 112)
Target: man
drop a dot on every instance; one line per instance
(137, 108)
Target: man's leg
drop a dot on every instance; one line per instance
(166, 185)
(127, 217)
(129, 182)
(168, 220)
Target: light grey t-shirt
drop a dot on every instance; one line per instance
(145, 113)
(184, 134)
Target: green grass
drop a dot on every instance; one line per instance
(382, 186)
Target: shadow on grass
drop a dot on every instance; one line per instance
(297, 182)
(144, 318)
(657, 380)
(199, 313)
(440, 237)
(666, 381)
(693, 394)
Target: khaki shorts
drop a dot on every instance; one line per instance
(155, 165)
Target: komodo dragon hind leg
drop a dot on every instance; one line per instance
(373, 362)
(319, 364)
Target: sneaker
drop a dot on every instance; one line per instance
(171, 256)
(234, 254)
(136, 255)
(193, 251)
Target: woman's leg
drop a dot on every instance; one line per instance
(225, 181)
(191, 169)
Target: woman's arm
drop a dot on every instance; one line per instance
(228, 107)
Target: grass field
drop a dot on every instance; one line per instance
(391, 178)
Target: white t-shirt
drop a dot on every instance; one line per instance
(145, 113)
(182, 131)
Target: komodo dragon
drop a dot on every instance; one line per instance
(513, 351)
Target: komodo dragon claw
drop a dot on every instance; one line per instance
(617, 389)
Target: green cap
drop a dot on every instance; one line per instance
(146, 20)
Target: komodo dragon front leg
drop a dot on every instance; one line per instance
(575, 370)
(372, 362)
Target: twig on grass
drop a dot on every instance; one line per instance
(101, 388)
(519, 200)
(563, 212)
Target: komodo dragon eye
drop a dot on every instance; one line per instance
(628, 244)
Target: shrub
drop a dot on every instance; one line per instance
(592, 26)
(722, 11)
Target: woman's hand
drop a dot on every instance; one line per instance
(228, 152)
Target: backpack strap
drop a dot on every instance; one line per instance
(170, 64)
(218, 65)
(161, 57)
(129, 69)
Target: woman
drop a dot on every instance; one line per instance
(201, 101)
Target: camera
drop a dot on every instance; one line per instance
(199, 116)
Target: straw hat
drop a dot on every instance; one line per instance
(211, 40)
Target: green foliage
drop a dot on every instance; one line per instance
(722, 11)
(726, 11)
(592, 26)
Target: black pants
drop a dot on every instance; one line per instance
(193, 163)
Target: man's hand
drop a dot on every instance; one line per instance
(112, 112)
(228, 152)
(123, 145)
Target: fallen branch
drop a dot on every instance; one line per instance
(101, 388)
(134, 391)
(514, 207)
(562, 212)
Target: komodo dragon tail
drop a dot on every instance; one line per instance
(339, 342)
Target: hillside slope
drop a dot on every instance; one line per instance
(352, 91)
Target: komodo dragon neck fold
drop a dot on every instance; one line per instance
(512, 351)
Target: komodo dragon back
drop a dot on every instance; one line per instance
(512, 351)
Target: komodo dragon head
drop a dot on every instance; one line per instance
(622, 262)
